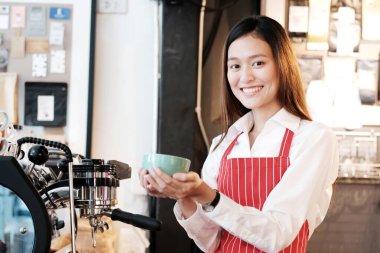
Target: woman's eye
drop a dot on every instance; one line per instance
(258, 64)
(234, 66)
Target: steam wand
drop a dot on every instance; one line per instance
(72, 208)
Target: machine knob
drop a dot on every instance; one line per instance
(38, 154)
(63, 165)
(59, 224)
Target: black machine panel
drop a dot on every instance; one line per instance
(27, 210)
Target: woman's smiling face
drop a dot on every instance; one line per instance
(252, 73)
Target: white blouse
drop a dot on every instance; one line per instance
(304, 192)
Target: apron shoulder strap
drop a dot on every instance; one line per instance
(232, 144)
(286, 142)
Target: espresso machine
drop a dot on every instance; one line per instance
(39, 186)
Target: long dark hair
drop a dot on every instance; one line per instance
(291, 92)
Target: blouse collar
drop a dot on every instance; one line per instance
(282, 117)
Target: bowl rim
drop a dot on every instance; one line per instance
(166, 155)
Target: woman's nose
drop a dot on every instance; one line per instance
(246, 74)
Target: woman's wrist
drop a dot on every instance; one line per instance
(208, 207)
(187, 206)
(205, 194)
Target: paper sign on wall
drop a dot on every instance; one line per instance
(39, 65)
(4, 17)
(4, 9)
(45, 108)
(4, 22)
(36, 25)
(18, 16)
(57, 31)
(58, 61)
(59, 13)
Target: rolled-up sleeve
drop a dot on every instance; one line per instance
(200, 228)
(204, 231)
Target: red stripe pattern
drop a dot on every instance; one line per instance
(248, 181)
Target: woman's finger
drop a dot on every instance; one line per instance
(157, 184)
(150, 182)
(180, 177)
(186, 177)
(152, 192)
(142, 171)
(145, 181)
(161, 178)
(141, 174)
(165, 177)
(192, 176)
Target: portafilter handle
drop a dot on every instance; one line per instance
(136, 220)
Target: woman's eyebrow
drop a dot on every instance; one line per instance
(250, 57)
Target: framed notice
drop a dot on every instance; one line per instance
(45, 104)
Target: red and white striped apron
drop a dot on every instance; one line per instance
(248, 181)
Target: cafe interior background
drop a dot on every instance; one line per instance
(117, 79)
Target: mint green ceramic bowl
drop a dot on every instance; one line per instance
(168, 163)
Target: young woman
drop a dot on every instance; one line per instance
(267, 182)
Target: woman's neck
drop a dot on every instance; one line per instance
(260, 117)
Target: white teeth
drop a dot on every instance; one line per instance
(252, 90)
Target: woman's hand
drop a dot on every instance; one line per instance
(186, 188)
(181, 185)
(143, 175)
